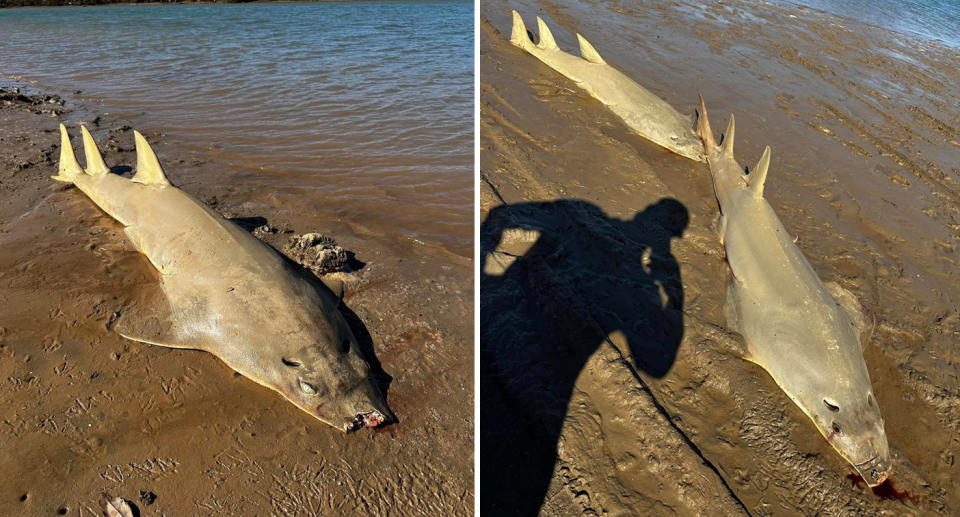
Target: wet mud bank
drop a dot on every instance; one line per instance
(609, 382)
(177, 432)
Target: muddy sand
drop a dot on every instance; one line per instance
(609, 383)
(177, 432)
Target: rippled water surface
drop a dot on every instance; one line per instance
(931, 19)
(363, 110)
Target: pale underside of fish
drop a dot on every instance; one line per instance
(806, 334)
(643, 112)
(227, 293)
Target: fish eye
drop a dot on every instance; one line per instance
(870, 399)
(836, 429)
(291, 362)
(307, 388)
(831, 405)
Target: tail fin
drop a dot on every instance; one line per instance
(727, 145)
(546, 37)
(703, 130)
(69, 168)
(519, 35)
(95, 165)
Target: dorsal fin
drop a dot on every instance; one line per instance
(727, 145)
(546, 37)
(148, 167)
(758, 175)
(519, 35)
(68, 168)
(95, 165)
(588, 52)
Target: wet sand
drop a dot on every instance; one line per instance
(609, 384)
(86, 411)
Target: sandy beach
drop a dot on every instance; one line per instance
(609, 382)
(178, 432)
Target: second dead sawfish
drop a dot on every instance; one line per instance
(808, 335)
(646, 114)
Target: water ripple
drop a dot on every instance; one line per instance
(368, 103)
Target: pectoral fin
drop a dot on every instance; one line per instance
(336, 283)
(148, 320)
(731, 310)
(149, 330)
(861, 319)
(719, 226)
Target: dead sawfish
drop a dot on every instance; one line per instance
(806, 334)
(645, 113)
(229, 294)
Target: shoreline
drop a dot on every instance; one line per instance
(126, 417)
(914, 35)
(86, 109)
(96, 3)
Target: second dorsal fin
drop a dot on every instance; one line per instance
(149, 170)
(546, 37)
(588, 52)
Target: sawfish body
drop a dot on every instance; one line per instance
(645, 113)
(231, 295)
(807, 335)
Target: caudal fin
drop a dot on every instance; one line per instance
(95, 165)
(69, 168)
(519, 35)
(703, 130)
(546, 37)
(726, 146)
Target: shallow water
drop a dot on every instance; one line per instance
(930, 19)
(361, 111)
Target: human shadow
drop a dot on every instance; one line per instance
(558, 278)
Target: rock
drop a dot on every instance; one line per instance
(147, 497)
(263, 230)
(316, 252)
